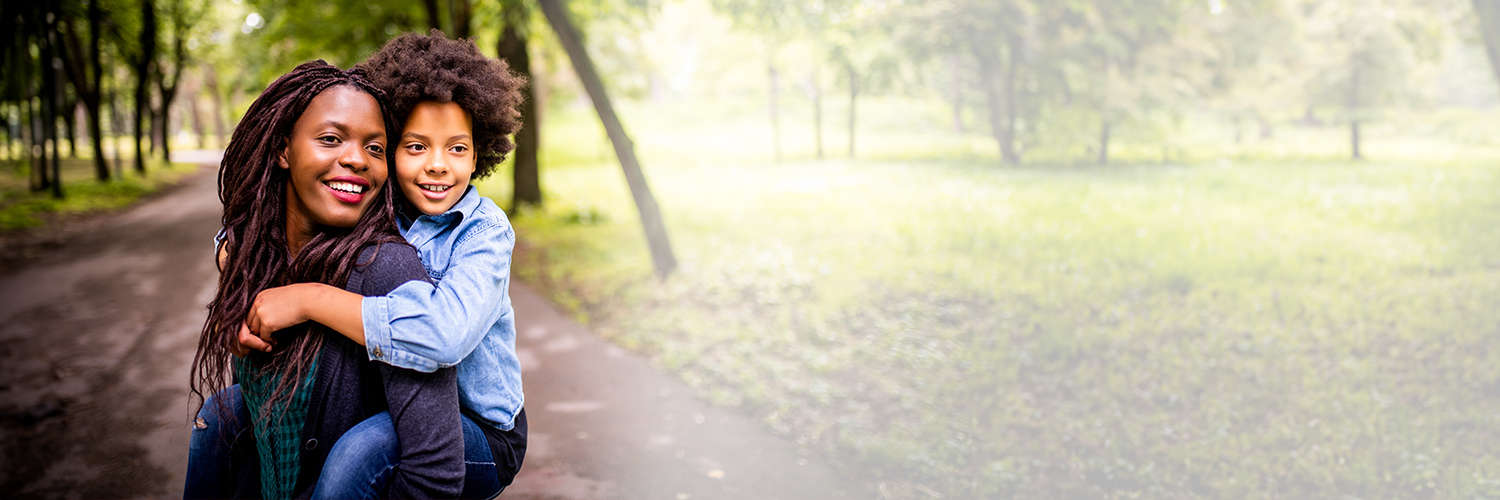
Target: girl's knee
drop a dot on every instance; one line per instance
(370, 441)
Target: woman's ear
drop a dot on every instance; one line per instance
(281, 161)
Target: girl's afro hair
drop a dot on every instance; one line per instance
(415, 68)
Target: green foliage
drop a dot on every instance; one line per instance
(1287, 328)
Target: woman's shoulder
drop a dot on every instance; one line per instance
(383, 266)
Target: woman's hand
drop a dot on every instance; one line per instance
(278, 308)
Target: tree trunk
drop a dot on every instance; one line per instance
(5, 125)
(136, 118)
(154, 133)
(211, 82)
(1104, 116)
(36, 147)
(775, 117)
(986, 58)
(433, 19)
(1488, 12)
(50, 91)
(116, 124)
(853, 95)
(194, 112)
(527, 186)
(459, 11)
(69, 112)
(87, 74)
(817, 102)
(1008, 152)
(656, 232)
(1354, 139)
(1354, 77)
(167, 88)
(143, 69)
(956, 94)
(1103, 139)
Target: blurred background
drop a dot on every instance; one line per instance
(965, 248)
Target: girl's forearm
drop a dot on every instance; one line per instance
(335, 308)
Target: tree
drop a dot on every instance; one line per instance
(142, 58)
(777, 21)
(1488, 14)
(181, 17)
(86, 72)
(993, 35)
(1369, 59)
(858, 47)
(51, 92)
(513, 47)
(656, 232)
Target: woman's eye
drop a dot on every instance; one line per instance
(329, 139)
(377, 149)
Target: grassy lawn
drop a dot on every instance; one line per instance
(21, 208)
(1312, 328)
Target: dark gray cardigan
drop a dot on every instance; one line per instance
(350, 388)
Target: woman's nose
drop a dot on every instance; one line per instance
(354, 159)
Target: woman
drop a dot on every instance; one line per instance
(303, 183)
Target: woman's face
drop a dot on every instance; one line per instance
(336, 160)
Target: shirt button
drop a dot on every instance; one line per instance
(376, 350)
(312, 444)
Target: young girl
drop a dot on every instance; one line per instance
(303, 186)
(457, 108)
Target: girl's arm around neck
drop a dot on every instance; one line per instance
(425, 327)
(286, 306)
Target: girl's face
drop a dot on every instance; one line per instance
(436, 157)
(336, 160)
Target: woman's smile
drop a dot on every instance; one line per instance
(348, 188)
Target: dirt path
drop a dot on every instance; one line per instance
(98, 329)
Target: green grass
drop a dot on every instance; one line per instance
(20, 208)
(1291, 328)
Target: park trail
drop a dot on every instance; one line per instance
(99, 321)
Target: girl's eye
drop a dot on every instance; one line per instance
(416, 148)
(459, 148)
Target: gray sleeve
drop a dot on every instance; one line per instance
(381, 268)
(423, 406)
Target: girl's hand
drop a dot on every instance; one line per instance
(278, 308)
(247, 341)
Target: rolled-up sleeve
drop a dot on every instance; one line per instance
(424, 327)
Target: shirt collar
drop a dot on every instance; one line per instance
(460, 211)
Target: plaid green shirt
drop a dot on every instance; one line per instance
(278, 436)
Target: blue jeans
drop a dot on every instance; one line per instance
(360, 463)
(208, 447)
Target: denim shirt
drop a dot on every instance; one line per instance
(464, 317)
